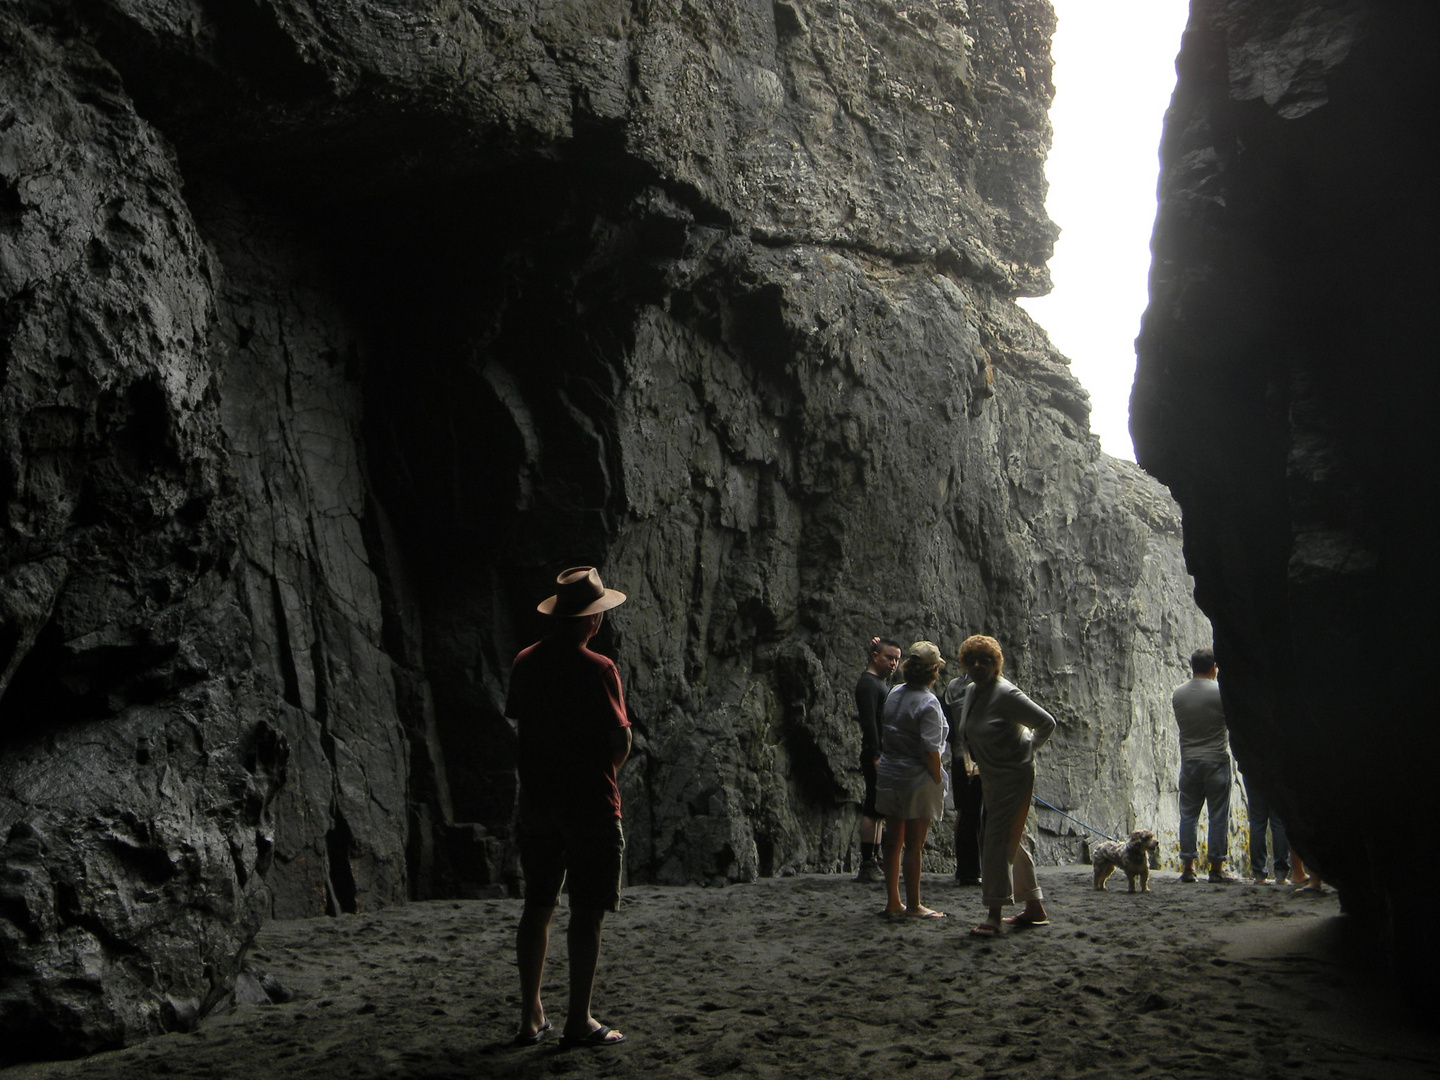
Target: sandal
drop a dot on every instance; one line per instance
(1023, 920)
(535, 1038)
(599, 1037)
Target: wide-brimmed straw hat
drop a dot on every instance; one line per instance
(581, 592)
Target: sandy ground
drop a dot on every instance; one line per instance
(799, 977)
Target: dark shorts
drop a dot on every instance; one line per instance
(867, 769)
(587, 859)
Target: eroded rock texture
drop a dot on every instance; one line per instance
(1285, 393)
(332, 331)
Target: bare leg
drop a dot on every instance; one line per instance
(915, 830)
(1305, 882)
(894, 841)
(992, 917)
(532, 942)
(583, 939)
(1298, 877)
(869, 830)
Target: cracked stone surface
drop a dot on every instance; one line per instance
(332, 331)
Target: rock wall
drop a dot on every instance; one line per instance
(332, 331)
(1284, 394)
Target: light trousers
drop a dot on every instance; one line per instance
(1008, 872)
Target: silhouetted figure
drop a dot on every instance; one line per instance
(573, 736)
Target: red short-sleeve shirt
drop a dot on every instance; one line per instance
(566, 701)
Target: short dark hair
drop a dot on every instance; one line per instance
(881, 644)
(1201, 661)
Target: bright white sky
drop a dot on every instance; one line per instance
(1114, 71)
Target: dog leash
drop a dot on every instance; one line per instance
(1088, 828)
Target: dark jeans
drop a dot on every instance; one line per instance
(1262, 815)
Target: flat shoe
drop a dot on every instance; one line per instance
(532, 1040)
(984, 930)
(599, 1037)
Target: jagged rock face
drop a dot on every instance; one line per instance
(333, 331)
(1284, 393)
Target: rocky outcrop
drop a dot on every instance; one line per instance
(1284, 393)
(331, 332)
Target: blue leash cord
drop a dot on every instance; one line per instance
(1087, 828)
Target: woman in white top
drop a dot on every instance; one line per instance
(1001, 729)
(909, 780)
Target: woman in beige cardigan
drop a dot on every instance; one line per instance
(1001, 729)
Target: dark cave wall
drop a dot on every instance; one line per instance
(290, 409)
(140, 760)
(332, 332)
(1284, 393)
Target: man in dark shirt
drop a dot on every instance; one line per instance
(573, 735)
(870, 694)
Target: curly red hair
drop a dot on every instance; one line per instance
(977, 645)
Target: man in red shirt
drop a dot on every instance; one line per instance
(573, 737)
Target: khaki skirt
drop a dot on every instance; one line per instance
(925, 801)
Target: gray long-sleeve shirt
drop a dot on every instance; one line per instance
(1001, 727)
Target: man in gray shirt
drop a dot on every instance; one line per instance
(1204, 766)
